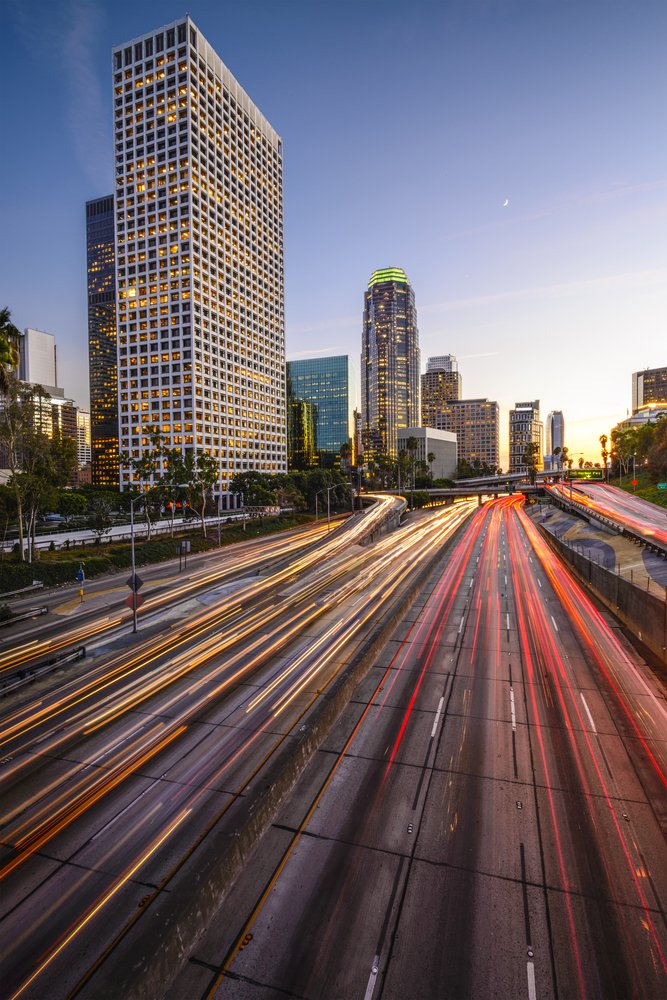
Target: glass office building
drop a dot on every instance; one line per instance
(390, 362)
(102, 358)
(329, 385)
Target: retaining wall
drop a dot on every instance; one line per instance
(644, 614)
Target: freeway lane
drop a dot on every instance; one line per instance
(486, 819)
(642, 517)
(92, 623)
(94, 825)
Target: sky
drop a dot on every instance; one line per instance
(510, 155)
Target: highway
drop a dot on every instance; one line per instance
(628, 511)
(113, 782)
(488, 817)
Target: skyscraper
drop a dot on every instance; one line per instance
(649, 386)
(554, 434)
(199, 257)
(525, 428)
(102, 347)
(329, 384)
(440, 383)
(389, 361)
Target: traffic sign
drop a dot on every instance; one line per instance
(633, 482)
(135, 582)
(662, 486)
(134, 601)
(80, 575)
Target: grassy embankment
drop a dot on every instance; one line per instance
(646, 489)
(61, 566)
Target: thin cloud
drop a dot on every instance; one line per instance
(65, 34)
(486, 354)
(627, 279)
(295, 355)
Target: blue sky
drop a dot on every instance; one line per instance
(406, 127)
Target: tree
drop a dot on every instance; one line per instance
(99, 519)
(605, 454)
(345, 454)
(16, 424)
(430, 458)
(145, 468)
(657, 453)
(10, 339)
(581, 461)
(531, 455)
(412, 446)
(70, 504)
(201, 474)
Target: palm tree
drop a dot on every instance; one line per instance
(430, 458)
(10, 339)
(412, 446)
(605, 454)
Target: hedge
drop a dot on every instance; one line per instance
(61, 567)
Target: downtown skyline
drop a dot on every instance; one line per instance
(558, 294)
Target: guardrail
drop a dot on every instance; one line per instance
(30, 674)
(31, 613)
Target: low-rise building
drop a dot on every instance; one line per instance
(430, 441)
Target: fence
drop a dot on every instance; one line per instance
(644, 613)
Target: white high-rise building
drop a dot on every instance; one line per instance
(199, 257)
(554, 432)
(84, 454)
(37, 360)
(442, 363)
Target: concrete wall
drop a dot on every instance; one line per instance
(644, 614)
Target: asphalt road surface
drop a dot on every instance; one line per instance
(487, 819)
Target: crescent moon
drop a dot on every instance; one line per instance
(506, 202)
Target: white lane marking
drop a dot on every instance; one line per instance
(505, 581)
(588, 712)
(470, 584)
(539, 582)
(512, 710)
(463, 618)
(371, 979)
(508, 621)
(530, 973)
(437, 716)
(554, 621)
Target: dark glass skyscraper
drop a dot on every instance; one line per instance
(389, 361)
(328, 384)
(102, 361)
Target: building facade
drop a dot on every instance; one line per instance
(199, 257)
(649, 386)
(102, 341)
(526, 428)
(83, 438)
(476, 424)
(440, 384)
(440, 444)
(390, 362)
(329, 385)
(301, 434)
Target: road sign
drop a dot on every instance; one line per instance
(80, 575)
(662, 486)
(135, 582)
(633, 482)
(134, 601)
(597, 474)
